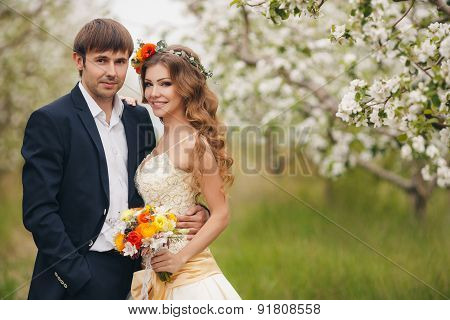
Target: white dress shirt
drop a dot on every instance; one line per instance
(116, 152)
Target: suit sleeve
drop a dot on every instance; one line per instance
(42, 174)
(148, 133)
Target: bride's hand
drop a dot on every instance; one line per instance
(129, 100)
(167, 261)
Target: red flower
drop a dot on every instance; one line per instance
(148, 50)
(135, 239)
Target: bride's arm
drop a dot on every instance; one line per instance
(211, 187)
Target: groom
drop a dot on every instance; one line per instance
(81, 153)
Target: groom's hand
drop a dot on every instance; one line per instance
(193, 219)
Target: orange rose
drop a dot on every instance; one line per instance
(146, 230)
(142, 218)
(139, 54)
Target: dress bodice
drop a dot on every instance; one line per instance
(163, 185)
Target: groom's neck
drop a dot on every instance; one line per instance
(106, 104)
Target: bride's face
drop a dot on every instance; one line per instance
(160, 92)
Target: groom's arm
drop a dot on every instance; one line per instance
(193, 219)
(43, 152)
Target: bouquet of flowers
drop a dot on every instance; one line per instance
(145, 231)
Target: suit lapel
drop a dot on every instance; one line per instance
(131, 128)
(89, 123)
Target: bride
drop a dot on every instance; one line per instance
(189, 161)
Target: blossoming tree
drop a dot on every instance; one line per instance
(368, 79)
(36, 66)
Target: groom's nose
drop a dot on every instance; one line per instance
(110, 70)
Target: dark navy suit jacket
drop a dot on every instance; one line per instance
(66, 191)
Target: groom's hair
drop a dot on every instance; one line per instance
(102, 35)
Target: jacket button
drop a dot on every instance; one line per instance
(91, 243)
(104, 212)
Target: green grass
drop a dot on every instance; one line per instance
(277, 247)
(17, 252)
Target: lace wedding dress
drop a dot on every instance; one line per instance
(160, 183)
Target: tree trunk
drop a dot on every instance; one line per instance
(420, 205)
(420, 194)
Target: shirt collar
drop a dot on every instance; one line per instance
(94, 107)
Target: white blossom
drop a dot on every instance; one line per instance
(338, 31)
(418, 144)
(426, 50)
(432, 151)
(426, 174)
(417, 96)
(379, 91)
(443, 176)
(406, 152)
(444, 136)
(444, 50)
(337, 168)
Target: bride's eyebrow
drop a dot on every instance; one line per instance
(158, 79)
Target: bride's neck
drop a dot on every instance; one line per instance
(176, 127)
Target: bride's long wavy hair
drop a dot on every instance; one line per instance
(200, 109)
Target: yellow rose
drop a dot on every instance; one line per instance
(171, 225)
(172, 217)
(118, 241)
(161, 223)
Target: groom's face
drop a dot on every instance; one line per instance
(103, 72)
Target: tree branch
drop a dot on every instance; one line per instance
(442, 6)
(321, 4)
(390, 176)
(244, 50)
(319, 92)
(256, 4)
(404, 15)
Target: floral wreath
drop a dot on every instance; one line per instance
(147, 50)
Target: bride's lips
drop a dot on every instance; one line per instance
(158, 104)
